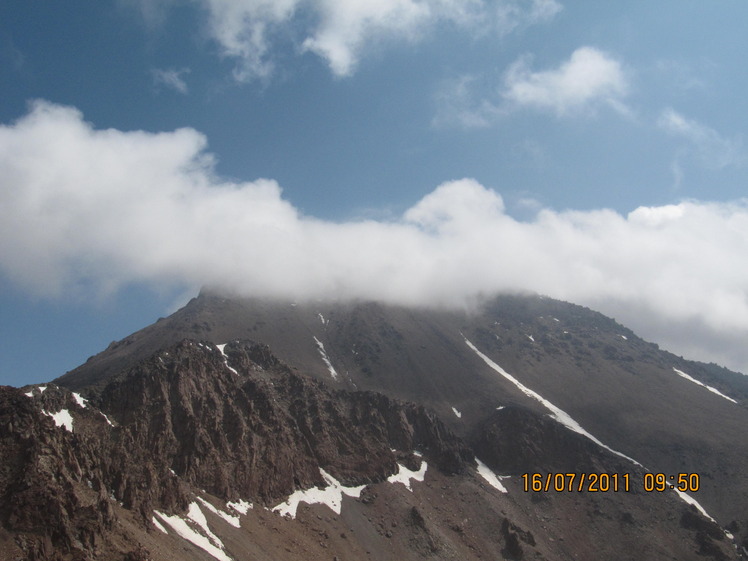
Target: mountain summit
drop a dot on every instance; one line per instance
(526, 428)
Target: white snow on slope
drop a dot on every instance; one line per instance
(485, 472)
(158, 525)
(323, 353)
(563, 418)
(332, 496)
(322, 318)
(82, 402)
(230, 518)
(185, 531)
(226, 357)
(241, 506)
(30, 393)
(196, 515)
(556, 413)
(62, 419)
(457, 413)
(690, 500)
(695, 381)
(404, 475)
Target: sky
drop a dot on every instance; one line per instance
(421, 152)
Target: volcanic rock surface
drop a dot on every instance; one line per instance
(385, 428)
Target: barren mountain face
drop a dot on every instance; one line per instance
(525, 428)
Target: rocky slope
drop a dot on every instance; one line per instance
(394, 420)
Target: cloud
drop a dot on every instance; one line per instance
(252, 32)
(171, 78)
(511, 15)
(245, 29)
(95, 210)
(713, 150)
(589, 79)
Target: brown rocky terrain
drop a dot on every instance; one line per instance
(172, 436)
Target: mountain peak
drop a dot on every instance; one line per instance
(389, 417)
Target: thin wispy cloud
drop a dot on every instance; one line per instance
(252, 32)
(87, 209)
(171, 78)
(713, 150)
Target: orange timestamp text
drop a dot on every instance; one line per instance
(608, 482)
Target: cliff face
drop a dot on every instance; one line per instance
(261, 434)
(363, 432)
(235, 425)
(53, 500)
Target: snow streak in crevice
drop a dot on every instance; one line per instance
(226, 358)
(566, 420)
(491, 478)
(323, 353)
(205, 539)
(695, 381)
(556, 413)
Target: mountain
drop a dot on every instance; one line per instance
(253, 429)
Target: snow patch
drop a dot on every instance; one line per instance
(556, 413)
(690, 500)
(42, 388)
(624, 337)
(695, 381)
(185, 531)
(158, 524)
(325, 358)
(62, 419)
(226, 358)
(82, 402)
(29, 394)
(530, 337)
(491, 478)
(241, 506)
(322, 319)
(196, 515)
(332, 496)
(230, 518)
(457, 413)
(404, 475)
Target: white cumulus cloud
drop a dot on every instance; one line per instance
(589, 77)
(89, 209)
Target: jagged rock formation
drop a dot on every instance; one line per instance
(171, 438)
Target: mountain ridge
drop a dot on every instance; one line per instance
(269, 401)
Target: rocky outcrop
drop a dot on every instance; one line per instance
(52, 498)
(235, 422)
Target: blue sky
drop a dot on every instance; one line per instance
(412, 151)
